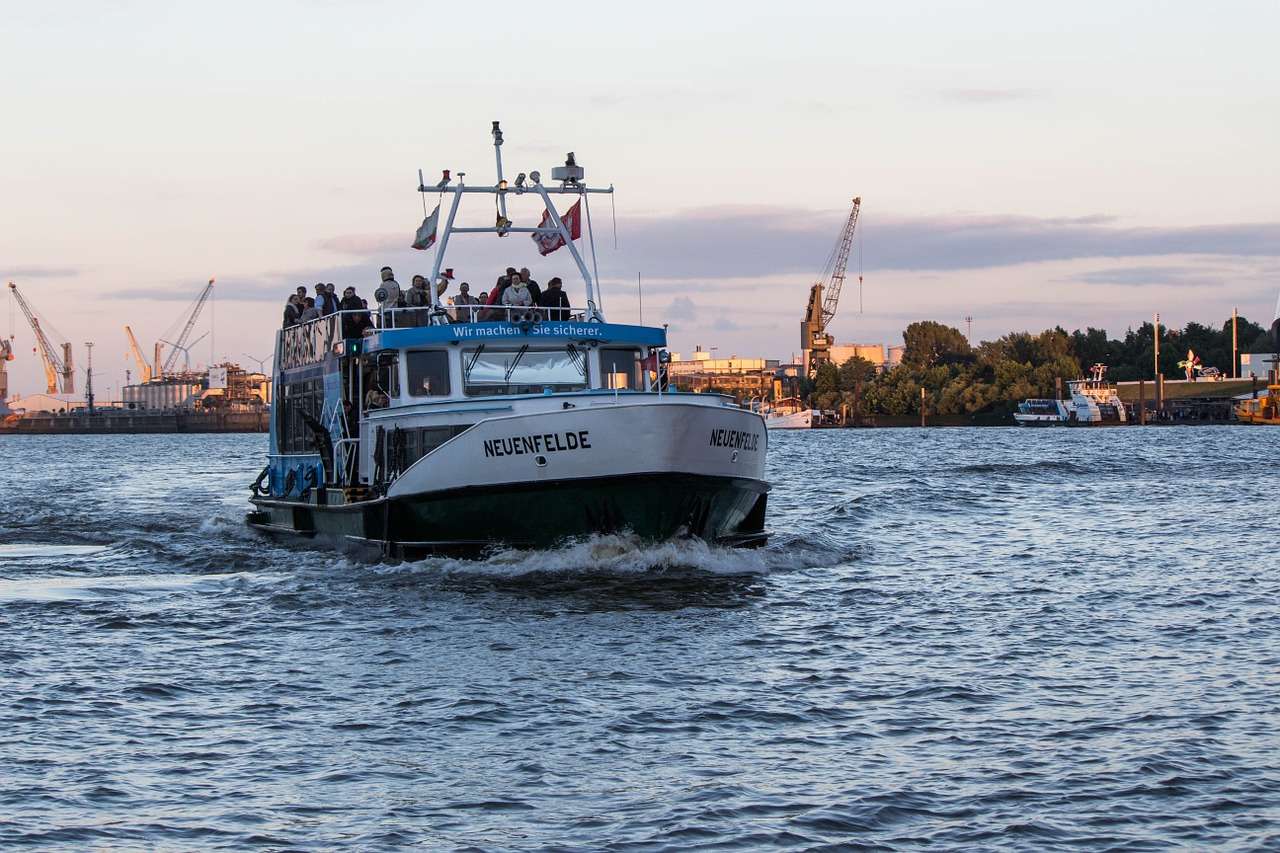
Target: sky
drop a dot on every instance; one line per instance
(1022, 164)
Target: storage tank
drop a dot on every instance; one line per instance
(162, 395)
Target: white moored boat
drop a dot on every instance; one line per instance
(519, 426)
(788, 413)
(1094, 402)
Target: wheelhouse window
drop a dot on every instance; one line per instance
(428, 373)
(523, 371)
(621, 369)
(385, 374)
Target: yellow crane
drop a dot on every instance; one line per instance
(824, 297)
(58, 370)
(144, 369)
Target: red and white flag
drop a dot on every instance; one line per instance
(426, 235)
(572, 219)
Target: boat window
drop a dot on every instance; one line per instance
(523, 371)
(420, 442)
(620, 369)
(428, 373)
(386, 373)
(300, 401)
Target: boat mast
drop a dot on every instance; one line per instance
(503, 226)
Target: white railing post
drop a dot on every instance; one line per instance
(443, 244)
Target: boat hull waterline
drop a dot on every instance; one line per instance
(657, 471)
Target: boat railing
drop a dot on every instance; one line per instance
(309, 342)
(345, 453)
(353, 324)
(408, 318)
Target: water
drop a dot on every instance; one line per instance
(978, 639)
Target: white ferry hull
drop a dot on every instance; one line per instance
(1038, 420)
(658, 470)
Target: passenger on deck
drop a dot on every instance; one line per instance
(464, 302)
(517, 295)
(291, 311)
(534, 290)
(309, 312)
(392, 287)
(354, 318)
(417, 298)
(495, 299)
(442, 284)
(555, 300)
(324, 300)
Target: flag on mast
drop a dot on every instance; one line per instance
(426, 235)
(572, 219)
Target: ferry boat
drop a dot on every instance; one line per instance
(447, 429)
(1094, 402)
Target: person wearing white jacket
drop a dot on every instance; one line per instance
(517, 295)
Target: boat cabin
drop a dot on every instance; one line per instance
(354, 412)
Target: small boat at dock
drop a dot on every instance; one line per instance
(1260, 410)
(788, 413)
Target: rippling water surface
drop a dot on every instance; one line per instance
(979, 639)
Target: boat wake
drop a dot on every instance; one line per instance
(615, 554)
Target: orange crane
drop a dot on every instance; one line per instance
(824, 297)
(55, 367)
(144, 369)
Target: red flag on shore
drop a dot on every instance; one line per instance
(426, 235)
(572, 219)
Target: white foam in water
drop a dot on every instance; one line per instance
(78, 588)
(32, 551)
(610, 554)
(224, 527)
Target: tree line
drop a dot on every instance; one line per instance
(995, 376)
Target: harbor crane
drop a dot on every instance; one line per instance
(58, 370)
(824, 297)
(144, 369)
(186, 351)
(6, 355)
(180, 344)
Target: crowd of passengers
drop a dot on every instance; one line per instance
(512, 296)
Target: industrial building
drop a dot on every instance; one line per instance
(225, 386)
(1258, 364)
(744, 378)
(165, 387)
(884, 358)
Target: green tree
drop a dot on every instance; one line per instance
(826, 379)
(855, 372)
(928, 343)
